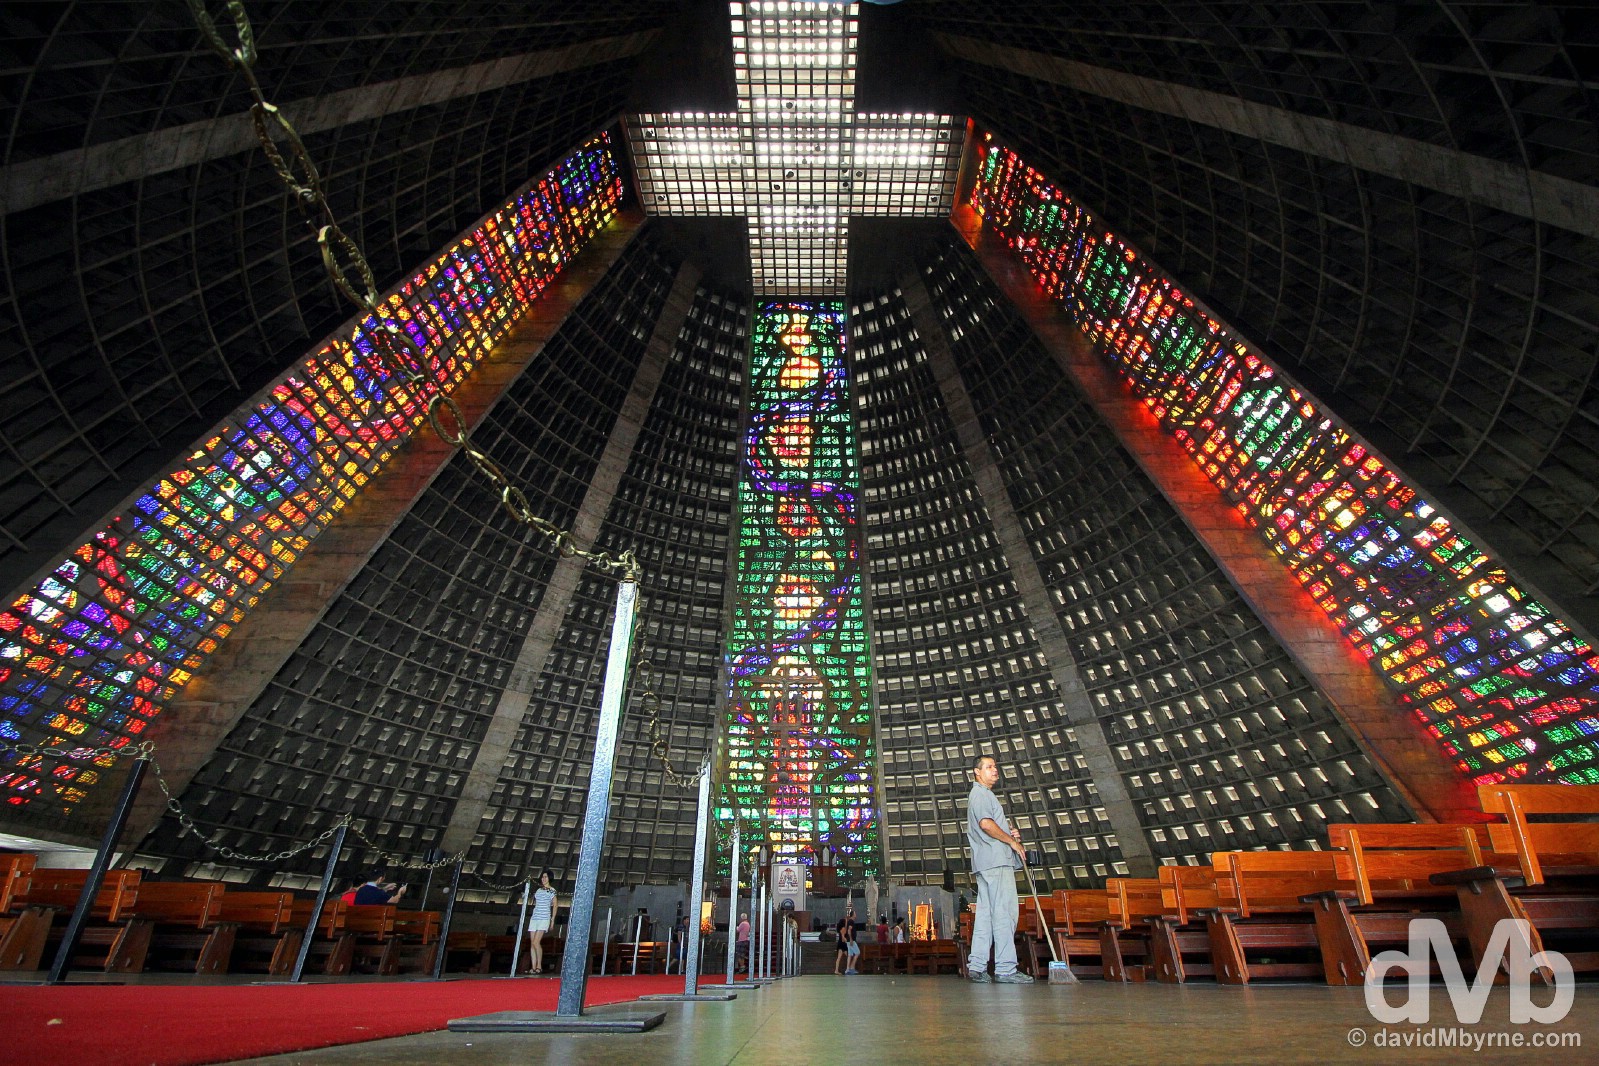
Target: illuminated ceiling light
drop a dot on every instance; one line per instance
(795, 159)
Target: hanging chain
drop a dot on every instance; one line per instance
(400, 862)
(650, 702)
(501, 886)
(351, 274)
(222, 849)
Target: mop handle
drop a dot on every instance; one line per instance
(1049, 934)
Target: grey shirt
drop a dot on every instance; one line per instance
(987, 853)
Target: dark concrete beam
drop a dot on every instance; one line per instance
(1074, 697)
(100, 166)
(1514, 189)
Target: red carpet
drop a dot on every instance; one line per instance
(166, 1025)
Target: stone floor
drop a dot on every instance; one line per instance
(818, 1021)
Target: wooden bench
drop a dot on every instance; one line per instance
(1180, 938)
(467, 952)
(934, 957)
(330, 942)
(22, 934)
(1567, 842)
(1130, 903)
(266, 936)
(53, 892)
(1263, 926)
(187, 926)
(1544, 872)
(1081, 914)
(1391, 866)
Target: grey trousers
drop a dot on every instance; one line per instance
(996, 921)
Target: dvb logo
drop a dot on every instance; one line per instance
(1511, 941)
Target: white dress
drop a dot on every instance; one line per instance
(543, 911)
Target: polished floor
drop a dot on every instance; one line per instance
(818, 1021)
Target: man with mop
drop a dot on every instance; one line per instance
(996, 856)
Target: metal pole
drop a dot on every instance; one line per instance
(321, 898)
(96, 877)
(732, 908)
(605, 941)
(691, 962)
(444, 925)
(521, 929)
(580, 926)
(638, 934)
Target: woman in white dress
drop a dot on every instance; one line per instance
(542, 919)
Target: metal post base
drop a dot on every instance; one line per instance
(697, 997)
(732, 986)
(547, 1021)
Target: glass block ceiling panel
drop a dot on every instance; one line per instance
(795, 159)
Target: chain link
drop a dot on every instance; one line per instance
(400, 862)
(497, 886)
(350, 272)
(272, 858)
(649, 701)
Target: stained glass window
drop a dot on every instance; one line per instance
(1501, 683)
(799, 756)
(92, 653)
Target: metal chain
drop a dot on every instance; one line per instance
(650, 702)
(400, 862)
(497, 886)
(352, 275)
(222, 849)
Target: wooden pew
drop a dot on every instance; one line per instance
(1262, 925)
(373, 945)
(1080, 914)
(53, 892)
(1129, 904)
(1545, 872)
(1181, 938)
(331, 942)
(416, 935)
(467, 951)
(187, 922)
(266, 936)
(22, 934)
(1568, 846)
(1392, 866)
(934, 957)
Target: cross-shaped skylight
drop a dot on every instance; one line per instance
(796, 159)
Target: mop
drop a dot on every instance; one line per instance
(1059, 972)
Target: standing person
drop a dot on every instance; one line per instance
(848, 949)
(899, 931)
(882, 928)
(996, 856)
(741, 945)
(542, 919)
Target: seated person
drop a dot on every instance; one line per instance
(376, 891)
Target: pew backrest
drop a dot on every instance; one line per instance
(16, 873)
(1571, 840)
(1273, 881)
(268, 912)
(422, 926)
(376, 920)
(1132, 899)
(333, 913)
(1185, 890)
(52, 887)
(1086, 907)
(1403, 856)
(196, 903)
